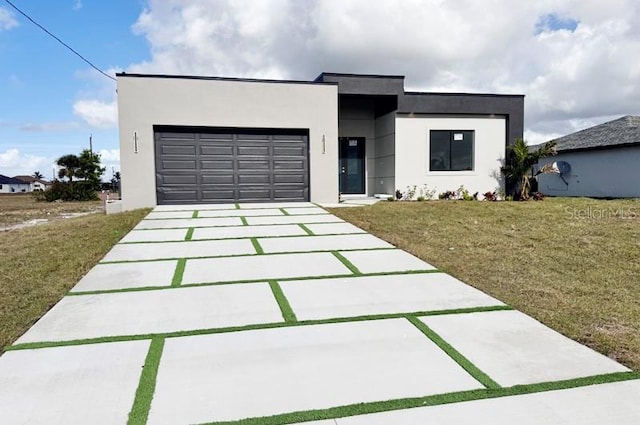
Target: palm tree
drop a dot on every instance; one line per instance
(37, 175)
(69, 166)
(519, 162)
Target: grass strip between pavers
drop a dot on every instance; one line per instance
(431, 400)
(257, 246)
(239, 282)
(189, 234)
(177, 275)
(246, 255)
(284, 211)
(176, 334)
(287, 312)
(146, 387)
(465, 363)
(234, 225)
(237, 206)
(348, 264)
(306, 229)
(195, 214)
(238, 237)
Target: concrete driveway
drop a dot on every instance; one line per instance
(283, 313)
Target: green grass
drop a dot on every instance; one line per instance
(146, 387)
(287, 312)
(40, 264)
(177, 276)
(432, 400)
(573, 264)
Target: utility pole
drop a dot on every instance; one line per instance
(91, 143)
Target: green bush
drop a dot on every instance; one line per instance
(70, 191)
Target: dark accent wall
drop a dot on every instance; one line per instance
(511, 106)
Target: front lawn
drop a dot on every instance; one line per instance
(40, 264)
(573, 264)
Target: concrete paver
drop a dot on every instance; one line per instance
(322, 243)
(246, 231)
(159, 311)
(263, 267)
(155, 235)
(170, 250)
(513, 348)
(241, 213)
(361, 296)
(305, 211)
(86, 384)
(614, 403)
(188, 222)
(105, 277)
(253, 373)
(294, 219)
(388, 260)
(265, 372)
(333, 228)
(194, 207)
(160, 215)
(260, 205)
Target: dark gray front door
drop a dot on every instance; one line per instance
(351, 160)
(219, 165)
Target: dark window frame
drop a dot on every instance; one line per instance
(446, 164)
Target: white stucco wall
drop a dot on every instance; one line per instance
(147, 101)
(412, 153)
(14, 188)
(598, 173)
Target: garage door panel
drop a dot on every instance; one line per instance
(175, 164)
(231, 167)
(288, 178)
(253, 151)
(179, 195)
(254, 194)
(261, 179)
(244, 164)
(220, 195)
(218, 150)
(216, 165)
(218, 179)
(178, 179)
(175, 149)
(289, 151)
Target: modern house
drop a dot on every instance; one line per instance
(12, 185)
(598, 162)
(35, 185)
(186, 139)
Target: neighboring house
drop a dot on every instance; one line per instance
(190, 139)
(35, 185)
(12, 185)
(600, 162)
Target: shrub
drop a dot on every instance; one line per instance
(399, 195)
(490, 196)
(71, 191)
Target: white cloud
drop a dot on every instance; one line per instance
(77, 5)
(50, 126)
(7, 21)
(14, 163)
(572, 77)
(97, 113)
(110, 159)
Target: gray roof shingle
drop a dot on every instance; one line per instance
(616, 133)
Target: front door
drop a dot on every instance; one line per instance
(352, 165)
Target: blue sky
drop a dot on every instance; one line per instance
(40, 81)
(575, 60)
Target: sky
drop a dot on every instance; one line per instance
(577, 61)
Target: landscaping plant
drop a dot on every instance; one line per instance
(519, 163)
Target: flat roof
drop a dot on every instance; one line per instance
(201, 77)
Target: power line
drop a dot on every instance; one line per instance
(60, 41)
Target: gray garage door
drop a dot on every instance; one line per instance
(222, 165)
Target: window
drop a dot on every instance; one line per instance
(451, 150)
